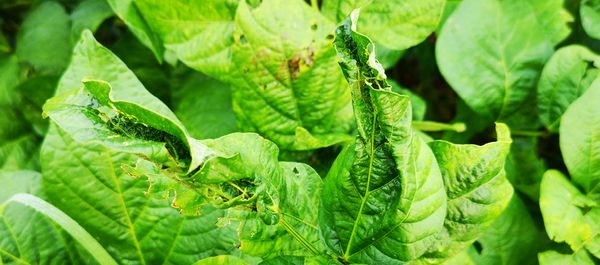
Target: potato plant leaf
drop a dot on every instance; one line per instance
(580, 142)
(512, 40)
(385, 195)
(566, 76)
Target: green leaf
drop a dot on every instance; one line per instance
(129, 12)
(590, 17)
(287, 85)
(88, 14)
(569, 215)
(65, 222)
(524, 167)
(395, 24)
(383, 197)
(204, 106)
(552, 257)
(512, 238)
(506, 43)
(579, 140)
(565, 77)
(28, 237)
(45, 29)
(477, 189)
(118, 110)
(198, 32)
(18, 144)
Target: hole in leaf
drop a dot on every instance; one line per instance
(329, 37)
(243, 40)
(478, 246)
(314, 27)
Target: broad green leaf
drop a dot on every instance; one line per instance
(198, 32)
(129, 12)
(286, 84)
(45, 29)
(580, 141)
(395, 24)
(88, 14)
(506, 44)
(569, 215)
(552, 257)
(590, 17)
(204, 106)
(566, 76)
(28, 237)
(477, 189)
(512, 238)
(383, 197)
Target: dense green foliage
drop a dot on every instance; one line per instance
(300, 132)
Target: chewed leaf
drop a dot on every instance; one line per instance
(385, 198)
(121, 112)
(477, 189)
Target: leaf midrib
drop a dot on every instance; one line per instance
(367, 193)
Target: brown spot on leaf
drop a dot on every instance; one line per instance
(300, 61)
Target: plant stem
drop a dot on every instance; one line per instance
(432, 126)
(529, 133)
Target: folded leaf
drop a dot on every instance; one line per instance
(477, 189)
(116, 109)
(580, 141)
(383, 197)
(506, 43)
(566, 76)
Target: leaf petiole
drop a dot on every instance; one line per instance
(432, 126)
